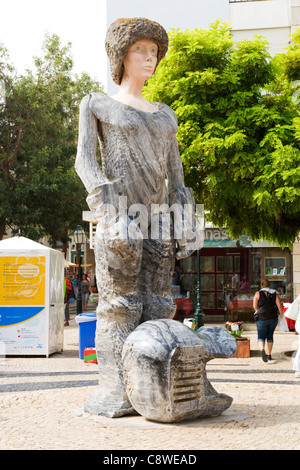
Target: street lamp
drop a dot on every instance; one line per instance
(79, 237)
(198, 313)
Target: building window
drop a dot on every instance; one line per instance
(240, 1)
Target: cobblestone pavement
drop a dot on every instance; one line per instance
(42, 401)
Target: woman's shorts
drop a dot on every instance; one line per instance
(265, 329)
(85, 297)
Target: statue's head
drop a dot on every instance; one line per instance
(124, 33)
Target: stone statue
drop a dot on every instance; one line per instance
(135, 255)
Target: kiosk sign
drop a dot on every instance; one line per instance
(23, 280)
(22, 302)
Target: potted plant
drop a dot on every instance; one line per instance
(243, 342)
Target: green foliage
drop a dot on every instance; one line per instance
(238, 128)
(40, 193)
(236, 333)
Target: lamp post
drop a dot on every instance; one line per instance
(198, 313)
(79, 237)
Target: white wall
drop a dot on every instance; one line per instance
(260, 15)
(276, 20)
(278, 38)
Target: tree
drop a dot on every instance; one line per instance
(238, 129)
(40, 193)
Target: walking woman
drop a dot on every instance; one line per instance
(85, 291)
(266, 303)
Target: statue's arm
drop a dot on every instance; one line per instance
(174, 167)
(86, 163)
(103, 197)
(100, 189)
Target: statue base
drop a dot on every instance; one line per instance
(108, 405)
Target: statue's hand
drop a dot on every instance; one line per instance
(184, 254)
(124, 238)
(105, 198)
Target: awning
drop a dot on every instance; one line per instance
(70, 265)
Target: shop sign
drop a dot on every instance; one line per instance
(216, 234)
(219, 238)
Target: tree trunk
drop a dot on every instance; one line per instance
(2, 229)
(65, 249)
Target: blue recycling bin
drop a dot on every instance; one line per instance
(87, 330)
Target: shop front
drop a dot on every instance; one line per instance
(230, 274)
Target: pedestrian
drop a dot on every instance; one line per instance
(75, 287)
(85, 291)
(67, 290)
(266, 303)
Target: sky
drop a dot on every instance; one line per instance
(23, 24)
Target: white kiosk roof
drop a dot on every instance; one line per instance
(21, 243)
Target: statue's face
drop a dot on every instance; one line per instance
(140, 60)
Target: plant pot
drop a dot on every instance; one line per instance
(243, 347)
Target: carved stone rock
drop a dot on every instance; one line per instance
(164, 370)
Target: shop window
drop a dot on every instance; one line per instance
(225, 264)
(223, 281)
(208, 282)
(207, 264)
(188, 264)
(280, 286)
(278, 272)
(208, 300)
(275, 266)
